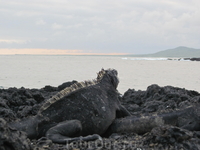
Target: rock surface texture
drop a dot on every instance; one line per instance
(16, 104)
(193, 59)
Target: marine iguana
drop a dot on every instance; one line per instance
(90, 109)
(82, 111)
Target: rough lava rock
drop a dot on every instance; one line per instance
(19, 103)
(172, 137)
(11, 139)
(158, 99)
(193, 59)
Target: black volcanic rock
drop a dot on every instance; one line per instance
(195, 59)
(158, 99)
(19, 103)
(11, 139)
(170, 137)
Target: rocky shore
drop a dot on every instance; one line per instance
(186, 59)
(20, 103)
(192, 59)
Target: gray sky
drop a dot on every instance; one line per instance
(100, 26)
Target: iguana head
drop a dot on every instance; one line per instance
(108, 75)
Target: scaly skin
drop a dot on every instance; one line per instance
(188, 118)
(85, 109)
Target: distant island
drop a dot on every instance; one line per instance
(182, 52)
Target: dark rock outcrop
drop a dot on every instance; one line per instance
(19, 103)
(11, 139)
(193, 59)
(158, 99)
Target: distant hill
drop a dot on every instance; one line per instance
(181, 51)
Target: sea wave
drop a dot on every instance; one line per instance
(151, 58)
(143, 58)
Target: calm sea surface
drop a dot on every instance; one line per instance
(36, 71)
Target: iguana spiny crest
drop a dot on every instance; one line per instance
(80, 85)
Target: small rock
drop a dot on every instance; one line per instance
(11, 139)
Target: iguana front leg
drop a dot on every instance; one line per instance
(122, 112)
(68, 131)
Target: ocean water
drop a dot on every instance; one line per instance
(36, 71)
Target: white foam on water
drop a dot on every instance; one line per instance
(154, 58)
(149, 58)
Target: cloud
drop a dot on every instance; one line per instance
(50, 52)
(57, 26)
(116, 26)
(39, 51)
(12, 41)
(40, 22)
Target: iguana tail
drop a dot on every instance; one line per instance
(188, 118)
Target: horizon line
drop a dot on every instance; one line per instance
(52, 52)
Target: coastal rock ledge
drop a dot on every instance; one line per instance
(18, 103)
(192, 59)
